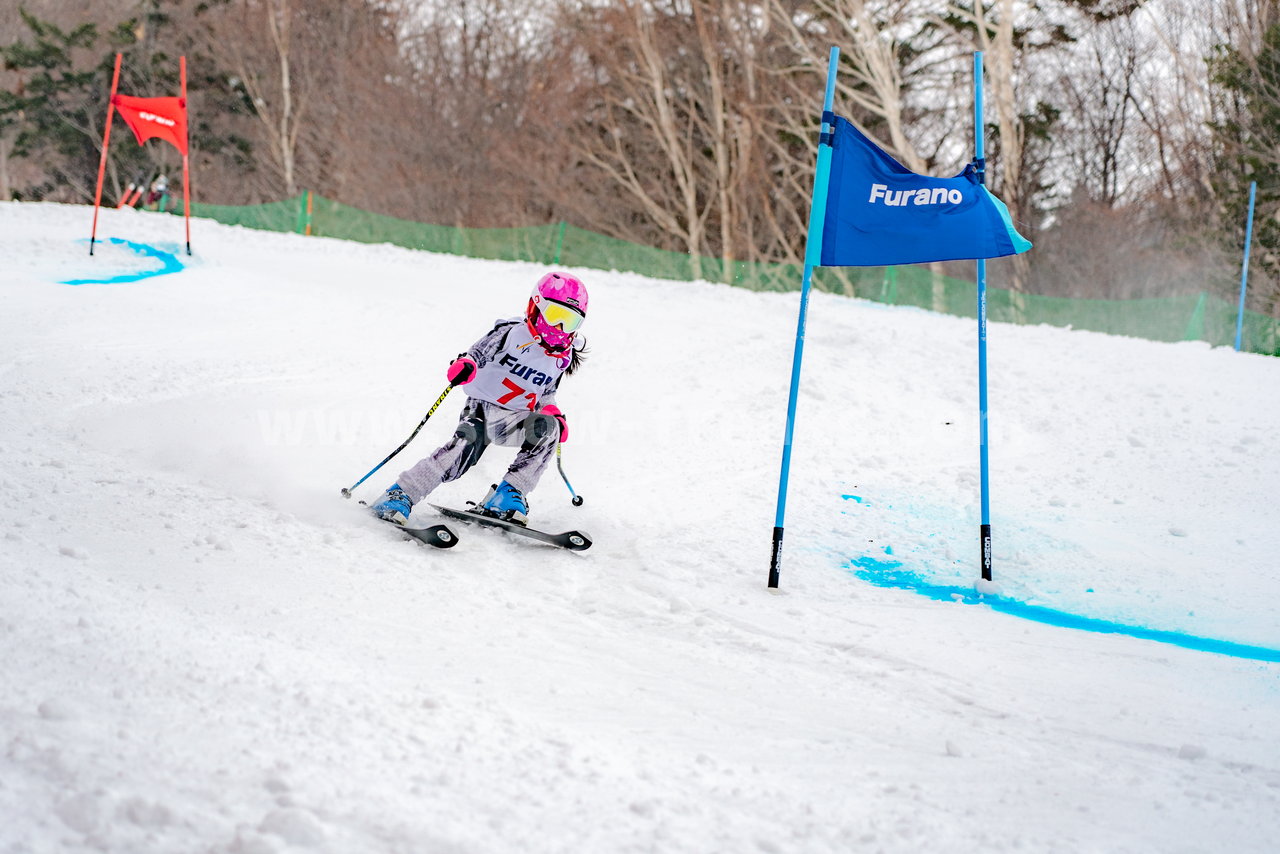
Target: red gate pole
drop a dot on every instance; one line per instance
(102, 163)
(186, 168)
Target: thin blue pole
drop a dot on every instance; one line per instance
(1244, 269)
(812, 257)
(984, 527)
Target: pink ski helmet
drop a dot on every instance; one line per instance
(557, 307)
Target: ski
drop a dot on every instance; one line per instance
(440, 536)
(575, 541)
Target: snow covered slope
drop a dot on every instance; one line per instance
(204, 648)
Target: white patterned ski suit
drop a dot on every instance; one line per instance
(515, 377)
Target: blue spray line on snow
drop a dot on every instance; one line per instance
(169, 263)
(891, 573)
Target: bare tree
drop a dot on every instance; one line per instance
(669, 121)
(254, 39)
(725, 44)
(1100, 92)
(892, 71)
(641, 136)
(298, 95)
(1173, 100)
(493, 86)
(896, 82)
(993, 34)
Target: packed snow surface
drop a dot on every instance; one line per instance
(204, 648)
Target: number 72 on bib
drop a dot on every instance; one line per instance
(514, 391)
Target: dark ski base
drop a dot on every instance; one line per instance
(440, 536)
(575, 541)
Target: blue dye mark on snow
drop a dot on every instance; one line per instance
(891, 573)
(857, 498)
(169, 263)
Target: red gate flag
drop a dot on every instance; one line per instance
(160, 118)
(164, 118)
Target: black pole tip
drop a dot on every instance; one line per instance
(346, 493)
(775, 559)
(577, 501)
(986, 559)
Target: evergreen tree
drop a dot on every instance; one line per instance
(59, 106)
(1247, 133)
(56, 112)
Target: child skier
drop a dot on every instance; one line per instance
(511, 375)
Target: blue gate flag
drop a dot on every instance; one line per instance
(879, 213)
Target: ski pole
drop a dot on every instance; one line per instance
(577, 499)
(346, 493)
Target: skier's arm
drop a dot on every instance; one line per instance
(548, 398)
(463, 369)
(483, 351)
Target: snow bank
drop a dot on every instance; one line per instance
(203, 647)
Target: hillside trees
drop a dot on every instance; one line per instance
(1128, 214)
(493, 91)
(255, 40)
(312, 88)
(1017, 41)
(1246, 128)
(56, 109)
(668, 119)
(28, 176)
(58, 78)
(688, 125)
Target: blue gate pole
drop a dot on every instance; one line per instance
(812, 257)
(984, 528)
(1244, 270)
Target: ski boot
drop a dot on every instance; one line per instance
(504, 501)
(395, 506)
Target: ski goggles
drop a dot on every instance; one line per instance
(561, 315)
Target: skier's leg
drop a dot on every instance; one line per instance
(538, 437)
(452, 459)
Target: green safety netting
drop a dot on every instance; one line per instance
(1181, 318)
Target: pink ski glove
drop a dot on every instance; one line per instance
(461, 371)
(554, 412)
